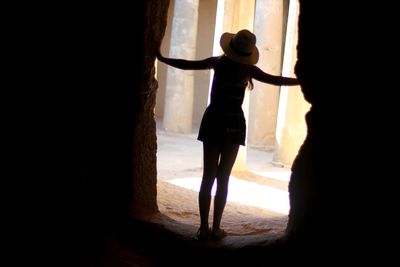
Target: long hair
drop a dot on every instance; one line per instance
(250, 84)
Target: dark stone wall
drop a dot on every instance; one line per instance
(145, 144)
(335, 186)
(92, 67)
(115, 128)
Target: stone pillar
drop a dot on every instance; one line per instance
(162, 68)
(239, 14)
(179, 85)
(204, 48)
(291, 126)
(264, 99)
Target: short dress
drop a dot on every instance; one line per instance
(223, 120)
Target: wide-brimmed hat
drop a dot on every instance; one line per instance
(240, 47)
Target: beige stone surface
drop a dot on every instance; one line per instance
(254, 210)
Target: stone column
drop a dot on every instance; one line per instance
(239, 14)
(264, 99)
(291, 126)
(204, 48)
(179, 85)
(162, 68)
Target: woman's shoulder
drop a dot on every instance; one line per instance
(212, 61)
(216, 58)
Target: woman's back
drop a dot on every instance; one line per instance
(229, 84)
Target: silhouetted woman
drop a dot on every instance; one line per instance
(223, 126)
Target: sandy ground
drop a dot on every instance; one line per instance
(258, 203)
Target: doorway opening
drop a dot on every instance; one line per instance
(258, 200)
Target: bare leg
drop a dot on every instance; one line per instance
(210, 162)
(228, 157)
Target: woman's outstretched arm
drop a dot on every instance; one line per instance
(184, 64)
(264, 77)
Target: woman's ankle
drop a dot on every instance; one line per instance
(204, 228)
(218, 233)
(216, 229)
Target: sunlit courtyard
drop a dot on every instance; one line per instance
(258, 200)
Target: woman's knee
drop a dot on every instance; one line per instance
(206, 184)
(222, 178)
(223, 172)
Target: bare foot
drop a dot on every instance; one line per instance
(219, 234)
(202, 234)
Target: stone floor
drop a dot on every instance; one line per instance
(255, 215)
(258, 201)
